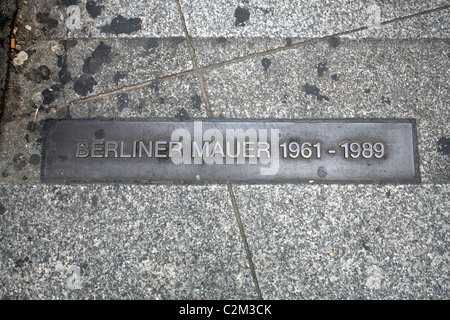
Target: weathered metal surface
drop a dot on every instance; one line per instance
(230, 151)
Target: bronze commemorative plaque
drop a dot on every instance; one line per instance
(145, 151)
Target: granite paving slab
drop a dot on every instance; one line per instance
(120, 242)
(347, 242)
(292, 19)
(226, 49)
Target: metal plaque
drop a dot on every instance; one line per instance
(230, 151)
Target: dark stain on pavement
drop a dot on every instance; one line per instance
(266, 63)
(44, 18)
(94, 9)
(334, 42)
(51, 94)
(322, 172)
(31, 126)
(182, 114)
(20, 263)
(313, 90)
(121, 25)
(119, 76)
(196, 101)
(64, 74)
(444, 145)
(94, 200)
(242, 15)
(44, 72)
(84, 85)
(321, 68)
(101, 55)
(40, 74)
(34, 159)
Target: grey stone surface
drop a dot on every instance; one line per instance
(99, 19)
(120, 242)
(293, 19)
(348, 242)
(356, 79)
(433, 25)
(69, 70)
(178, 98)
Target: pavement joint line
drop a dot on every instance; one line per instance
(200, 70)
(244, 240)
(194, 62)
